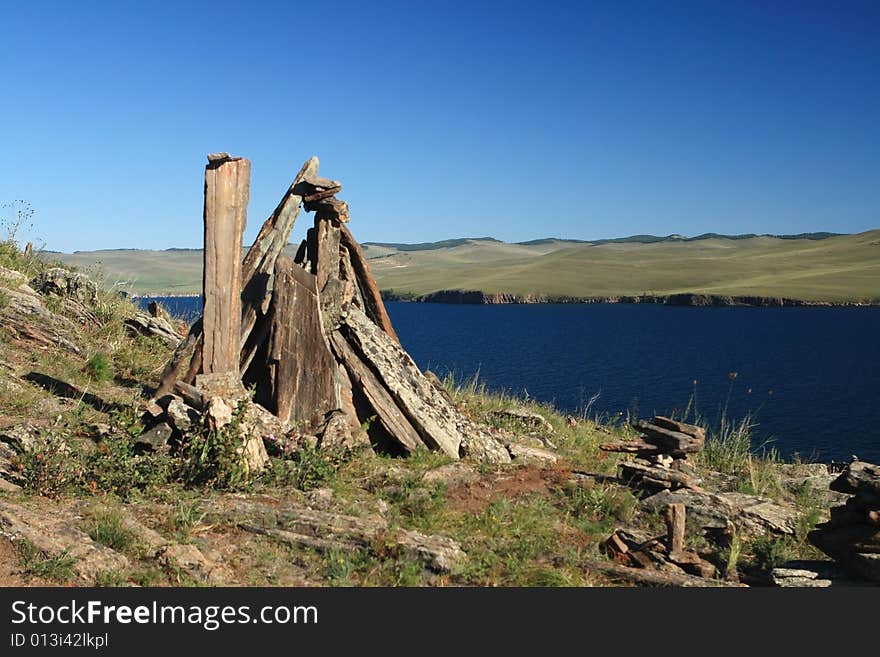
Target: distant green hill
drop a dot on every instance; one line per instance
(430, 246)
(811, 266)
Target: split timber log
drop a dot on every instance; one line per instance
(327, 267)
(373, 305)
(183, 354)
(351, 293)
(330, 208)
(227, 190)
(639, 447)
(635, 472)
(672, 441)
(256, 273)
(428, 410)
(652, 577)
(376, 399)
(301, 368)
(675, 526)
(259, 264)
(674, 425)
(191, 395)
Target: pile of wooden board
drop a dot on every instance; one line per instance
(308, 335)
(660, 454)
(666, 554)
(852, 534)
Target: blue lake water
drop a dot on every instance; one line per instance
(810, 376)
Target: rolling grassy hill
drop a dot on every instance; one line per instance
(813, 267)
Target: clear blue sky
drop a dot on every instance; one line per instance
(515, 120)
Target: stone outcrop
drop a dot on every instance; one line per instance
(852, 534)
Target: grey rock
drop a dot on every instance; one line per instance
(22, 437)
(719, 511)
(531, 455)
(182, 417)
(54, 532)
(7, 486)
(451, 474)
(859, 478)
(155, 439)
(194, 562)
(11, 278)
(64, 283)
(523, 417)
(159, 327)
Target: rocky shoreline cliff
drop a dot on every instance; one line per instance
(477, 297)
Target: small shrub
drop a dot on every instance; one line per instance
(305, 469)
(187, 515)
(108, 528)
(768, 552)
(115, 468)
(214, 458)
(51, 468)
(38, 563)
(98, 367)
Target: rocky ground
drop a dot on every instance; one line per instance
(86, 497)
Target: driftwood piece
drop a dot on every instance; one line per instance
(259, 264)
(227, 190)
(427, 409)
(376, 400)
(373, 304)
(301, 367)
(651, 577)
(675, 526)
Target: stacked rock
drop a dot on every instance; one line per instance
(660, 454)
(852, 535)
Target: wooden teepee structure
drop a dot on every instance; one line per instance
(309, 334)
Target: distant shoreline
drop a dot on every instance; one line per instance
(476, 297)
(686, 299)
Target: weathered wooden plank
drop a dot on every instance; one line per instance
(652, 577)
(427, 409)
(630, 471)
(631, 447)
(191, 395)
(373, 304)
(672, 441)
(681, 427)
(227, 190)
(183, 354)
(259, 264)
(327, 267)
(387, 413)
(300, 363)
(675, 526)
(329, 207)
(351, 293)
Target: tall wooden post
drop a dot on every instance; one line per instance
(227, 191)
